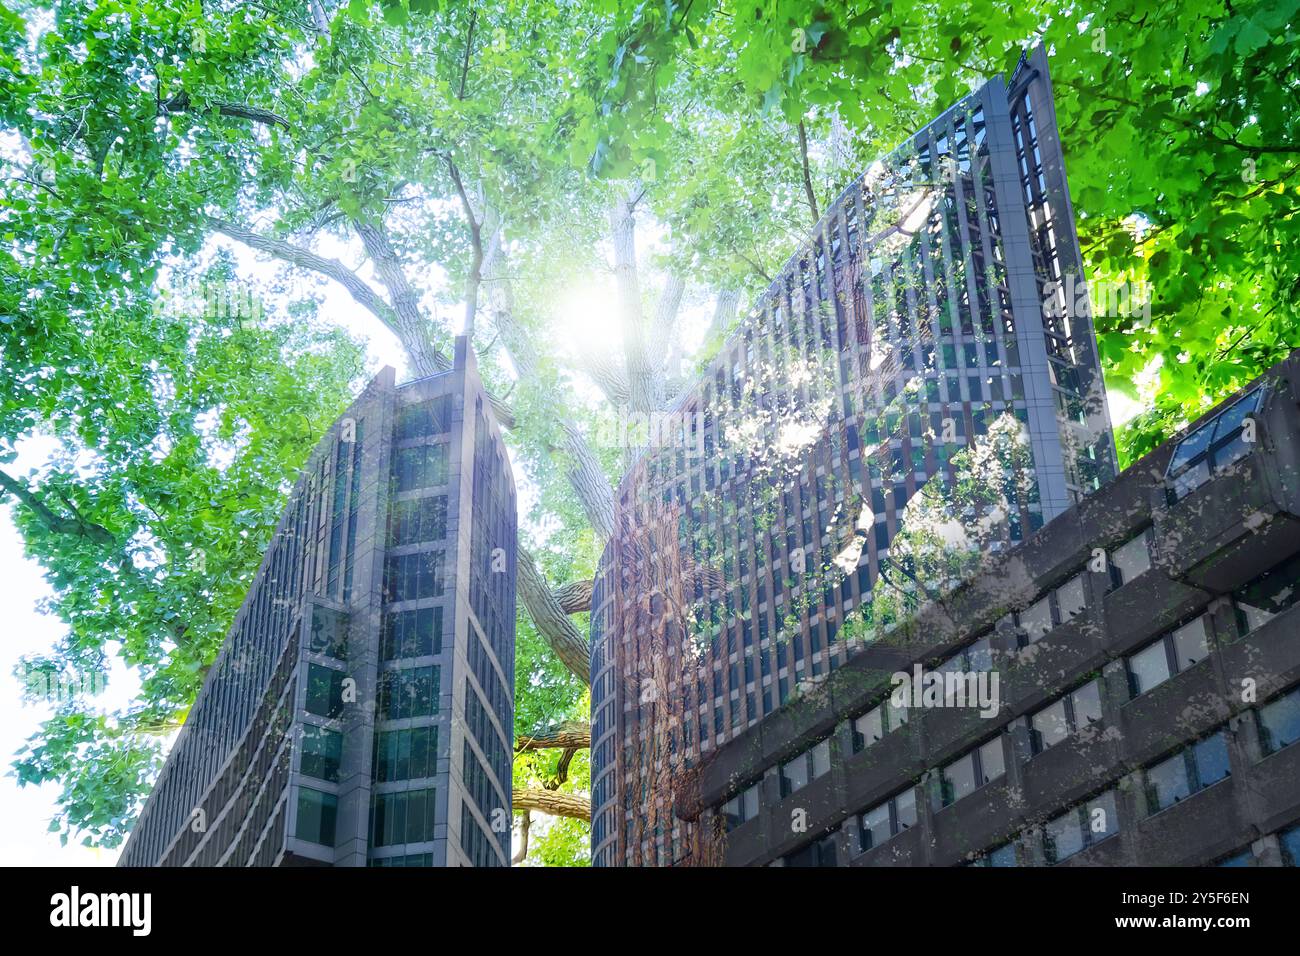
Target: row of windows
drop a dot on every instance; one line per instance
(410, 859)
(480, 726)
(479, 785)
(1165, 783)
(1067, 601)
(1288, 842)
(1185, 773)
(474, 841)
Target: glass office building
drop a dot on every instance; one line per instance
(933, 300)
(360, 711)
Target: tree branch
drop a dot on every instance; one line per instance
(569, 735)
(550, 618)
(608, 376)
(575, 596)
(807, 173)
(670, 303)
(409, 327)
(181, 103)
(319, 20)
(553, 802)
(473, 275)
(640, 370)
(364, 295)
(57, 524)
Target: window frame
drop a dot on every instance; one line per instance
(976, 755)
(1215, 444)
(1171, 653)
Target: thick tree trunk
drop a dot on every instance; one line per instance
(550, 619)
(554, 802)
(641, 378)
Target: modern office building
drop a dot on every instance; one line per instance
(1149, 691)
(360, 710)
(928, 304)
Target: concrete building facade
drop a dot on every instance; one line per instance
(928, 304)
(360, 711)
(1152, 721)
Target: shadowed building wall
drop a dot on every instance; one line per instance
(360, 710)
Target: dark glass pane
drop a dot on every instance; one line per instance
(317, 812)
(321, 752)
(324, 691)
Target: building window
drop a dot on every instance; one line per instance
(406, 817)
(1279, 722)
(1212, 447)
(974, 657)
(1058, 606)
(412, 692)
(1269, 595)
(423, 419)
(1189, 771)
(887, 820)
(406, 754)
(408, 577)
(418, 520)
(741, 808)
(1036, 620)
(321, 752)
(324, 691)
(805, 768)
(1168, 655)
(821, 852)
(1130, 559)
(971, 771)
(875, 723)
(410, 859)
(421, 466)
(317, 813)
(1004, 855)
(1080, 827)
(1065, 716)
(329, 633)
(411, 634)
